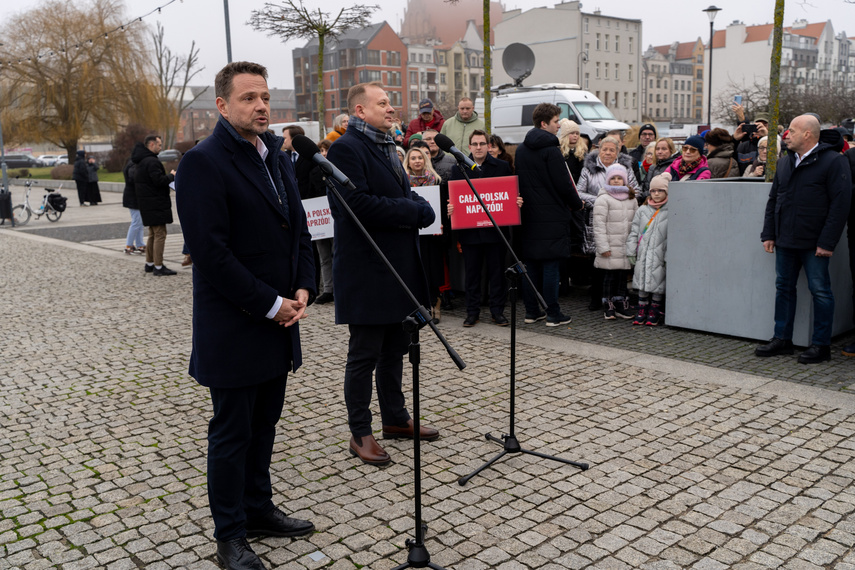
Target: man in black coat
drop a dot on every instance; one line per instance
(849, 349)
(805, 215)
(550, 199)
(151, 183)
(367, 296)
(483, 244)
(80, 174)
(253, 276)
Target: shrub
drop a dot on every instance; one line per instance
(62, 172)
(123, 143)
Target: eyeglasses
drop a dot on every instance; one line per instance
(477, 144)
(689, 149)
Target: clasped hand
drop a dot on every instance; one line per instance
(292, 310)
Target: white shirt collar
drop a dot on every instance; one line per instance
(799, 159)
(261, 148)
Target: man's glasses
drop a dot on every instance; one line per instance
(477, 144)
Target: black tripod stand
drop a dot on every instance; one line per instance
(418, 556)
(508, 441)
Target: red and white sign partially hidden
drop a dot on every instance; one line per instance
(500, 198)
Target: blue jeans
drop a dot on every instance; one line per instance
(135, 230)
(546, 277)
(788, 264)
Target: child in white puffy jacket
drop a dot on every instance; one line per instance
(613, 213)
(646, 246)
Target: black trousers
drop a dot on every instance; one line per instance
(377, 350)
(474, 256)
(240, 445)
(82, 190)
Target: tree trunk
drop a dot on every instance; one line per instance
(775, 92)
(321, 121)
(488, 67)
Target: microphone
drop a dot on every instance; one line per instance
(447, 145)
(307, 148)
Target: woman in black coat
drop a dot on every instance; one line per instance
(81, 176)
(93, 193)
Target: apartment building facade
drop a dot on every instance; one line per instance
(673, 82)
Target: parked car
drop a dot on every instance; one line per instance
(20, 161)
(169, 155)
(62, 159)
(46, 160)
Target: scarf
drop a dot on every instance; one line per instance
(426, 179)
(382, 140)
(646, 166)
(617, 192)
(657, 205)
(687, 167)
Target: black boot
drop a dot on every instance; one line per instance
(775, 347)
(815, 353)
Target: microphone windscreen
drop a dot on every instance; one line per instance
(443, 142)
(305, 146)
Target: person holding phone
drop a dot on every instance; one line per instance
(748, 135)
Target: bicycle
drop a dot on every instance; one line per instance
(52, 206)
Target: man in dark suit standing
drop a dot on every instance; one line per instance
(483, 244)
(367, 297)
(253, 276)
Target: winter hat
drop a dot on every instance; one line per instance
(660, 182)
(718, 137)
(695, 141)
(616, 170)
(425, 106)
(647, 127)
(81, 153)
(761, 117)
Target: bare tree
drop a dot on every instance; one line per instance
(174, 73)
(775, 91)
(56, 90)
(291, 21)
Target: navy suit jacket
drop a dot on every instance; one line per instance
(366, 293)
(245, 253)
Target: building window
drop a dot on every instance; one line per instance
(607, 70)
(586, 25)
(607, 42)
(597, 70)
(650, 97)
(414, 78)
(625, 99)
(617, 71)
(658, 83)
(394, 78)
(394, 98)
(367, 75)
(442, 78)
(665, 98)
(587, 79)
(630, 44)
(634, 102)
(597, 43)
(651, 83)
(393, 58)
(700, 58)
(657, 112)
(373, 57)
(700, 74)
(442, 58)
(630, 72)
(617, 44)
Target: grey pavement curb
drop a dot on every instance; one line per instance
(699, 373)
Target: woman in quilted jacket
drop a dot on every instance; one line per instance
(614, 210)
(646, 246)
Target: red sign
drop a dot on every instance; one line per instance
(499, 195)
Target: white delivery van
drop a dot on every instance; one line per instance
(512, 108)
(312, 128)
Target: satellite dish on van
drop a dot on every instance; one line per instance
(518, 61)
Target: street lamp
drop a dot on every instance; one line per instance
(711, 13)
(582, 60)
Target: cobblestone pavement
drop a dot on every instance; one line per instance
(102, 444)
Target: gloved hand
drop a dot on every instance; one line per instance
(632, 259)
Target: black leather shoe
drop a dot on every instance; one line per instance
(324, 298)
(277, 523)
(500, 320)
(775, 347)
(470, 321)
(815, 353)
(164, 270)
(236, 554)
(149, 268)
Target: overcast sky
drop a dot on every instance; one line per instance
(204, 22)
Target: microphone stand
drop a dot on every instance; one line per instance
(418, 556)
(509, 441)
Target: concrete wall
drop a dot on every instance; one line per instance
(720, 279)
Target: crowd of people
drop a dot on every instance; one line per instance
(590, 210)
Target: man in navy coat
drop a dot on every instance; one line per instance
(367, 296)
(482, 245)
(253, 275)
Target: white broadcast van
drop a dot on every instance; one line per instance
(512, 108)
